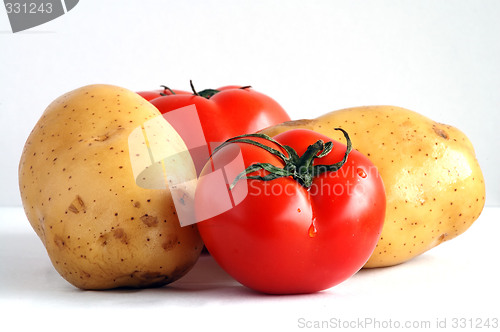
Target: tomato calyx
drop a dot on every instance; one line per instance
(300, 168)
(208, 93)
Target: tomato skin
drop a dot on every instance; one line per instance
(283, 238)
(231, 112)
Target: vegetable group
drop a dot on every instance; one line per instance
(434, 185)
(299, 214)
(122, 188)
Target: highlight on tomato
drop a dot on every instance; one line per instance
(297, 213)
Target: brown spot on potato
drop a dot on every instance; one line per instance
(151, 279)
(120, 234)
(149, 221)
(103, 239)
(440, 132)
(73, 208)
(59, 242)
(171, 242)
(152, 275)
(77, 205)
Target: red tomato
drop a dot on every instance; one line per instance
(166, 91)
(300, 231)
(222, 113)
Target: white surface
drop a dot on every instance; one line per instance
(458, 279)
(437, 57)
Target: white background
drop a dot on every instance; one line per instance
(439, 58)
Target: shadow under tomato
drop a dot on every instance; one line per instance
(206, 274)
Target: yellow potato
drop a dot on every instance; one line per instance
(77, 178)
(434, 185)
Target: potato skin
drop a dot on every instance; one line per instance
(79, 193)
(435, 188)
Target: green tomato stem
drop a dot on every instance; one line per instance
(165, 88)
(302, 168)
(207, 93)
